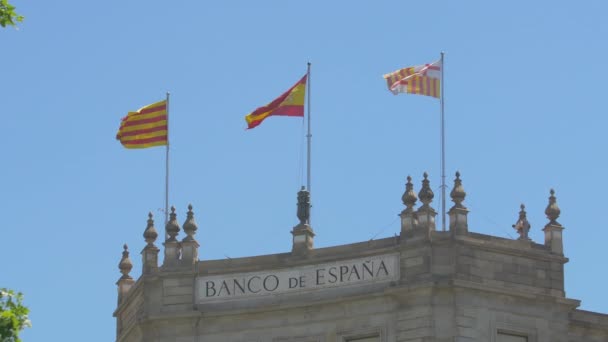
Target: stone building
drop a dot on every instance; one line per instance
(421, 286)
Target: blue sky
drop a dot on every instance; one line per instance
(524, 113)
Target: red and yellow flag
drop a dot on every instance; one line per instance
(420, 79)
(290, 103)
(146, 127)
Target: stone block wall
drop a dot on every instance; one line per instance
(177, 294)
(481, 314)
(511, 264)
(450, 289)
(588, 326)
(414, 319)
(415, 264)
(319, 323)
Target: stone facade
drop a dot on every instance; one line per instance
(424, 285)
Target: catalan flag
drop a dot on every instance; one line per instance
(290, 103)
(144, 128)
(421, 80)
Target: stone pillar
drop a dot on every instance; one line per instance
(408, 215)
(303, 235)
(150, 252)
(126, 281)
(426, 214)
(553, 229)
(172, 247)
(458, 213)
(189, 243)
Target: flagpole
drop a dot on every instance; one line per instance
(442, 148)
(167, 173)
(308, 135)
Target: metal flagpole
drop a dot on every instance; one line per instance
(442, 150)
(167, 173)
(308, 135)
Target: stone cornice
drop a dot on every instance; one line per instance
(287, 260)
(130, 296)
(511, 247)
(588, 319)
(283, 305)
(125, 333)
(573, 303)
(411, 289)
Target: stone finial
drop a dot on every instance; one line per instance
(552, 210)
(522, 225)
(426, 214)
(409, 196)
(189, 244)
(126, 281)
(458, 213)
(408, 216)
(426, 194)
(458, 194)
(190, 226)
(172, 246)
(172, 226)
(150, 234)
(150, 252)
(303, 235)
(553, 229)
(303, 206)
(125, 264)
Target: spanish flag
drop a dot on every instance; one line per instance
(144, 128)
(290, 103)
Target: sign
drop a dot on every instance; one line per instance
(378, 268)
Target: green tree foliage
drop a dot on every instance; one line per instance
(13, 315)
(8, 15)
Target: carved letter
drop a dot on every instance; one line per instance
(320, 276)
(354, 270)
(223, 287)
(249, 284)
(343, 272)
(332, 273)
(275, 285)
(382, 267)
(368, 270)
(212, 287)
(236, 284)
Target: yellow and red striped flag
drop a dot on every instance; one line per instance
(290, 103)
(144, 128)
(420, 79)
